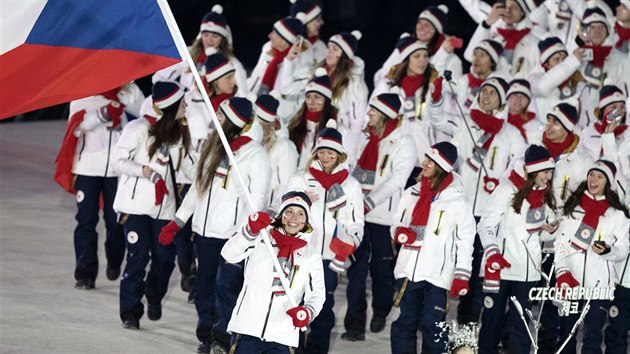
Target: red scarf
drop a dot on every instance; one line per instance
(600, 53)
(437, 46)
(556, 149)
(269, 78)
(201, 59)
(601, 127)
(369, 156)
(474, 82)
(313, 116)
(593, 209)
(313, 39)
(410, 84)
(535, 197)
(327, 180)
(488, 123)
(422, 209)
(623, 33)
(512, 36)
(152, 120)
(216, 100)
(239, 142)
(65, 158)
(518, 121)
(287, 244)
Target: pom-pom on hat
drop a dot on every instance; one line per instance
(550, 46)
(493, 48)
(444, 154)
(610, 93)
(289, 28)
(215, 22)
(520, 86)
(594, 14)
(408, 45)
(267, 107)
(320, 83)
(388, 104)
(166, 94)
(499, 84)
(537, 158)
(566, 113)
(309, 8)
(216, 65)
(237, 110)
(348, 42)
(330, 138)
(299, 199)
(608, 168)
(437, 16)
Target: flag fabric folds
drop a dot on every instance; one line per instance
(57, 51)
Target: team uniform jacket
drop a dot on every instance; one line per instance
(95, 147)
(258, 312)
(396, 158)
(507, 144)
(348, 219)
(290, 82)
(284, 159)
(619, 152)
(588, 267)
(220, 210)
(136, 193)
(448, 237)
(593, 140)
(502, 227)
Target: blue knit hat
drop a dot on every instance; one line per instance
(166, 94)
(348, 42)
(267, 107)
(444, 154)
(610, 93)
(330, 138)
(320, 83)
(309, 8)
(216, 65)
(537, 158)
(408, 45)
(215, 22)
(566, 114)
(299, 199)
(499, 84)
(550, 46)
(237, 110)
(493, 48)
(388, 104)
(437, 16)
(519, 86)
(289, 28)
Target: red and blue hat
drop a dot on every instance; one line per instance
(237, 110)
(166, 94)
(215, 22)
(348, 42)
(330, 138)
(320, 83)
(537, 158)
(444, 154)
(437, 16)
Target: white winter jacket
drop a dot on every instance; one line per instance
(593, 140)
(284, 159)
(587, 267)
(93, 155)
(448, 237)
(396, 158)
(136, 193)
(258, 312)
(347, 222)
(220, 210)
(501, 227)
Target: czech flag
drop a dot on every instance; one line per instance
(58, 51)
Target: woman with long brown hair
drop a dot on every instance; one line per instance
(218, 202)
(148, 155)
(519, 216)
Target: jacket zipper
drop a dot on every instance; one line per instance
(205, 222)
(413, 275)
(109, 148)
(324, 222)
(390, 203)
(242, 299)
(133, 193)
(584, 269)
(82, 147)
(443, 259)
(236, 211)
(262, 335)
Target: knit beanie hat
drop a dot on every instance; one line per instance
(388, 104)
(444, 154)
(550, 46)
(237, 110)
(215, 22)
(299, 199)
(610, 93)
(537, 158)
(320, 83)
(290, 28)
(166, 94)
(566, 114)
(330, 138)
(493, 48)
(408, 45)
(606, 167)
(348, 42)
(499, 84)
(216, 65)
(437, 16)
(267, 107)
(309, 8)
(520, 86)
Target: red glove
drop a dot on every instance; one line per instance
(168, 233)
(300, 315)
(405, 235)
(160, 191)
(342, 251)
(114, 111)
(258, 221)
(568, 279)
(497, 262)
(491, 279)
(436, 94)
(459, 287)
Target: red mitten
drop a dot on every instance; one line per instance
(342, 251)
(436, 93)
(459, 287)
(258, 221)
(301, 316)
(114, 111)
(168, 233)
(405, 235)
(491, 279)
(160, 191)
(497, 262)
(568, 279)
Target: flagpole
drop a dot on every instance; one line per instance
(183, 51)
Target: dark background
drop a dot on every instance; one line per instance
(380, 21)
